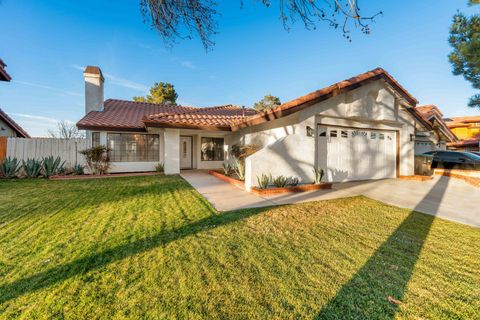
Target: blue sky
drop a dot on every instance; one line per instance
(45, 44)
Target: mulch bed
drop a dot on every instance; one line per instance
(102, 176)
(416, 178)
(458, 174)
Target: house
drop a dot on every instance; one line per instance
(4, 76)
(357, 129)
(433, 134)
(9, 128)
(467, 129)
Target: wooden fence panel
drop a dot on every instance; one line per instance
(3, 148)
(37, 148)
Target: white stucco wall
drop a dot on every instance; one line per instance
(172, 151)
(288, 151)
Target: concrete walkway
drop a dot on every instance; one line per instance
(444, 197)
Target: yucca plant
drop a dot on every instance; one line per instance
(239, 168)
(9, 167)
(78, 169)
(293, 181)
(280, 181)
(32, 167)
(52, 166)
(319, 173)
(226, 167)
(263, 181)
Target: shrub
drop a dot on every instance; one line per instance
(32, 167)
(52, 166)
(160, 167)
(97, 159)
(319, 173)
(9, 167)
(293, 181)
(263, 181)
(78, 169)
(239, 168)
(280, 181)
(226, 168)
(241, 152)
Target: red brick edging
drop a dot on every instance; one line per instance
(269, 191)
(416, 178)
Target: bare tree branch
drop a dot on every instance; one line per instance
(66, 130)
(184, 19)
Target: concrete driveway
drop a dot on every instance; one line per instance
(444, 197)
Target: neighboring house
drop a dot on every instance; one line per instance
(433, 133)
(357, 129)
(467, 129)
(9, 128)
(4, 76)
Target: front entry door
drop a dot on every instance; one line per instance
(186, 152)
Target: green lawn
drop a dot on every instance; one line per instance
(152, 247)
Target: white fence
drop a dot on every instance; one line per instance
(37, 148)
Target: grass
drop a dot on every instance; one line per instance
(152, 247)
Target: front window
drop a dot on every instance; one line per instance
(95, 139)
(133, 147)
(212, 149)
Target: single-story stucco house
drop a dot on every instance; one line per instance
(357, 129)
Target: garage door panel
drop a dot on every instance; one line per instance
(357, 154)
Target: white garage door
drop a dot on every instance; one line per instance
(423, 146)
(356, 154)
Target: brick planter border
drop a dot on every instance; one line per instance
(291, 189)
(416, 178)
(270, 191)
(221, 176)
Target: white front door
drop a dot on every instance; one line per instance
(356, 154)
(186, 154)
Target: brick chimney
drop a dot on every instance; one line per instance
(93, 89)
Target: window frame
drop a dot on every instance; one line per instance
(125, 155)
(94, 142)
(212, 140)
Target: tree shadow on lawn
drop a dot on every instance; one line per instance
(388, 271)
(84, 265)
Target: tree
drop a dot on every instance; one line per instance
(178, 19)
(267, 103)
(465, 57)
(160, 92)
(66, 130)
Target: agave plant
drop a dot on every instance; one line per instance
(239, 168)
(9, 167)
(319, 173)
(52, 166)
(280, 181)
(78, 169)
(263, 181)
(32, 167)
(293, 181)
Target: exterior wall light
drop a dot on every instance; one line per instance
(310, 131)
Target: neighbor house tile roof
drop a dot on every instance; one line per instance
(464, 143)
(457, 122)
(12, 124)
(4, 76)
(130, 115)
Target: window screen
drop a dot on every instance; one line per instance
(212, 149)
(132, 147)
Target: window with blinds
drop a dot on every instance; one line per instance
(133, 147)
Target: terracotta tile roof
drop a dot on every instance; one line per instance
(129, 115)
(220, 117)
(326, 93)
(4, 76)
(434, 117)
(458, 122)
(465, 143)
(15, 126)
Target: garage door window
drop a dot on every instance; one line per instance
(322, 133)
(373, 135)
(333, 133)
(381, 136)
(344, 134)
